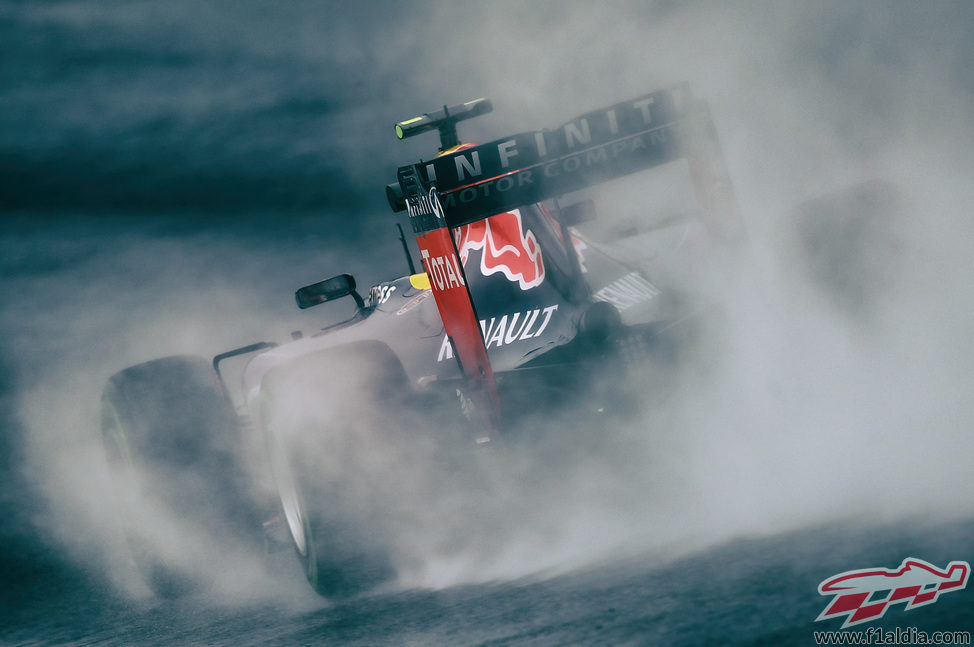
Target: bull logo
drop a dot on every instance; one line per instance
(866, 594)
(507, 248)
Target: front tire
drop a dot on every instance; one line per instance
(171, 437)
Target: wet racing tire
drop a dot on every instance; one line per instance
(332, 422)
(171, 437)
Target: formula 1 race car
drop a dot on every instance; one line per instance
(514, 303)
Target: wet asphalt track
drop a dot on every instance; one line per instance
(756, 592)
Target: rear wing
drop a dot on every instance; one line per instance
(530, 167)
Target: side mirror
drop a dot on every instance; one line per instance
(336, 287)
(576, 214)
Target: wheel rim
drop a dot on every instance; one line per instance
(287, 490)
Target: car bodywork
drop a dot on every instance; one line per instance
(527, 282)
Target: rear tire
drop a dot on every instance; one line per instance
(331, 421)
(171, 437)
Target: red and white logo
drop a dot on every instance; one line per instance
(865, 594)
(507, 248)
